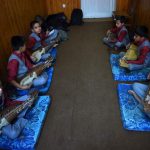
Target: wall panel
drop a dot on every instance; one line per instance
(122, 5)
(143, 13)
(15, 17)
(140, 10)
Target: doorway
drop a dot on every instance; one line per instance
(97, 8)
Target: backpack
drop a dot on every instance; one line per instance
(76, 17)
(57, 21)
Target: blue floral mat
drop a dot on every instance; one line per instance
(54, 53)
(133, 118)
(120, 73)
(45, 88)
(30, 134)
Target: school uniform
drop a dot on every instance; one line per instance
(18, 65)
(122, 38)
(14, 129)
(37, 41)
(141, 90)
(143, 60)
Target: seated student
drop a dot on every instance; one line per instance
(19, 65)
(121, 33)
(143, 59)
(52, 34)
(142, 95)
(14, 129)
(36, 40)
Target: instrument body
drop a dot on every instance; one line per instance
(131, 54)
(111, 37)
(39, 52)
(28, 78)
(10, 113)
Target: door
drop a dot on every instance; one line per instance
(97, 8)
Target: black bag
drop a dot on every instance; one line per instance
(57, 21)
(76, 17)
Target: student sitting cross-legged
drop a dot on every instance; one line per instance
(52, 34)
(12, 113)
(36, 40)
(141, 92)
(117, 37)
(143, 50)
(19, 65)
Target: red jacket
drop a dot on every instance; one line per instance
(13, 66)
(31, 41)
(142, 56)
(122, 35)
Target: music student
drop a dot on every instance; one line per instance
(13, 130)
(53, 34)
(37, 39)
(140, 92)
(121, 33)
(19, 65)
(143, 49)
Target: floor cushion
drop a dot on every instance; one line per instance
(121, 74)
(30, 134)
(133, 118)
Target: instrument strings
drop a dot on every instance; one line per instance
(22, 106)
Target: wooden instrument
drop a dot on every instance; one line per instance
(132, 53)
(9, 114)
(28, 78)
(40, 51)
(123, 63)
(111, 37)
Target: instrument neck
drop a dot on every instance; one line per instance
(40, 68)
(13, 113)
(49, 46)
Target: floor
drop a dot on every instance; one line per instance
(84, 114)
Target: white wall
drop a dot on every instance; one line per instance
(97, 8)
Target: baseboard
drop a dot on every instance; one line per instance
(96, 19)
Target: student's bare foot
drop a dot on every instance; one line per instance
(131, 92)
